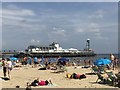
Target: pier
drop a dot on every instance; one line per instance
(52, 50)
(81, 54)
(46, 54)
(55, 50)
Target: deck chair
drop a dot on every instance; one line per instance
(118, 77)
(113, 78)
(101, 69)
(95, 69)
(102, 79)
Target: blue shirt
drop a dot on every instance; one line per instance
(35, 59)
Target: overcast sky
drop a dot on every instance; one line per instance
(70, 24)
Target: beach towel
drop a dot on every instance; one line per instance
(52, 85)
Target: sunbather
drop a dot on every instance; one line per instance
(38, 82)
(75, 76)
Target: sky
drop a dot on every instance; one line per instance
(68, 23)
(60, 0)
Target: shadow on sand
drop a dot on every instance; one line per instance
(58, 72)
(5, 78)
(90, 73)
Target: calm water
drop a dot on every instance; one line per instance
(98, 56)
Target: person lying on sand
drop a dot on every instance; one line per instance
(75, 76)
(38, 82)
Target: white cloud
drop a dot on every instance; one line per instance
(91, 30)
(57, 34)
(13, 15)
(88, 27)
(93, 27)
(18, 12)
(79, 30)
(11, 6)
(58, 31)
(33, 41)
(97, 15)
(20, 19)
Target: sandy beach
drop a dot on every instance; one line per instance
(27, 74)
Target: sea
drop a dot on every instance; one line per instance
(93, 58)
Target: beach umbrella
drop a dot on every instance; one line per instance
(63, 59)
(13, 58)
(102, 61)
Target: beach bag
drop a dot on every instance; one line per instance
(82, 76)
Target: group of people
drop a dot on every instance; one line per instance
(7, 66)
(35, 61)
